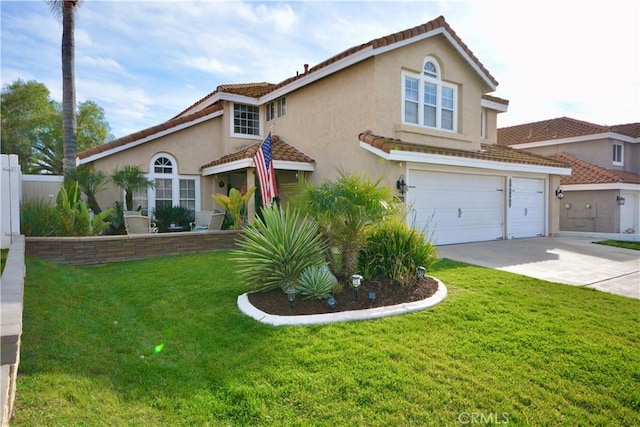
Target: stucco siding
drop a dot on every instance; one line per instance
(590, 211)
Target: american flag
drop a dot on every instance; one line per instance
(263, 160)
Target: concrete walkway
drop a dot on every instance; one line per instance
(570, 260)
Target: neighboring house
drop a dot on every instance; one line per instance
(603, 192)
(411, 107)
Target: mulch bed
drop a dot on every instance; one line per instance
(387, 293)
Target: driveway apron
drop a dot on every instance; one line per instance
(569, 260)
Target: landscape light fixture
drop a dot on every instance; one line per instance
(291, 295)
(372, 297)
(401, 185)
(331, 301)
(355, 281)
(421, 272)
(620, 200)
(559, 193)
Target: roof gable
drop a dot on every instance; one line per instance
(280, 150)
(560, 128)
(375, 46)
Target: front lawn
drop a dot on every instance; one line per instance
(161, 342)
(621, 244)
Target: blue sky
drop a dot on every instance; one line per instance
(145, 61)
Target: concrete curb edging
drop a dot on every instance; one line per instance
(250, 310)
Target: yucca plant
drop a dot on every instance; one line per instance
(317, 282)
(395, 250)
(178, 215)
(275, 250)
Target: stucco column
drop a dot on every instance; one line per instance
(251, 205)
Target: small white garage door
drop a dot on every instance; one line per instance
(526, 213)
(456, 208)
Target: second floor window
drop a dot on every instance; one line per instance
(277, 108)
(617, 154)
(246, 119)
(427, 100)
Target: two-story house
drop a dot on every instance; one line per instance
(412, 109)
(602, 194)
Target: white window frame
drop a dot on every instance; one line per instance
(235, 134)
(439, 84)
(276, 108)
(618, 162)
(483, 124)
(175, 178)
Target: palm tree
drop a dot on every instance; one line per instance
(345, 209)
(91, 182)
(130, 178)
(67, 9)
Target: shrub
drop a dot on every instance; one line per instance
(317, 282)
(38, 218)
(178, 215)
(275, 250)
(395, 250)
(345, 209)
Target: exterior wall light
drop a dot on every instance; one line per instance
(559, 193)
(401, 185)
(355, 282)
(620, 200)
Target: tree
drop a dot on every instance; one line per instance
(345, 209)
(32, 127)
(93, 130)
(90, 182)
(67, 9)
(27, 115)
(130, 178)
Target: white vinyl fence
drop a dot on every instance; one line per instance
(10, 196)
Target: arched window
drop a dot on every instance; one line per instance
(170, 187)
(162, 165)
(428, 100)
(430, 69)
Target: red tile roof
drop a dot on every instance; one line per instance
(260, 89)
(562, 127)
(629, 129)
(149, 131)
(495, 99)
(254, 90)
(280, 151)
(439, 22)
(492, 152)
(583, 172)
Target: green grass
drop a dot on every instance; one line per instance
(621, 244)
(541, 353)
(3, 258)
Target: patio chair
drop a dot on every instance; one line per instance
(138, 224)
(207, 221)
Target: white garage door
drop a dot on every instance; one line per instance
(526, 214)
(457, 208)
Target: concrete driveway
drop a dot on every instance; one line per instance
(571, 260)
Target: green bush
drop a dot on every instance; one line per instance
(317, 282)
(178, 215)
(395, 250)
(275, 250)
(39, 218)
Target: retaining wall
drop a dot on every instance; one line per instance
(104, 249)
